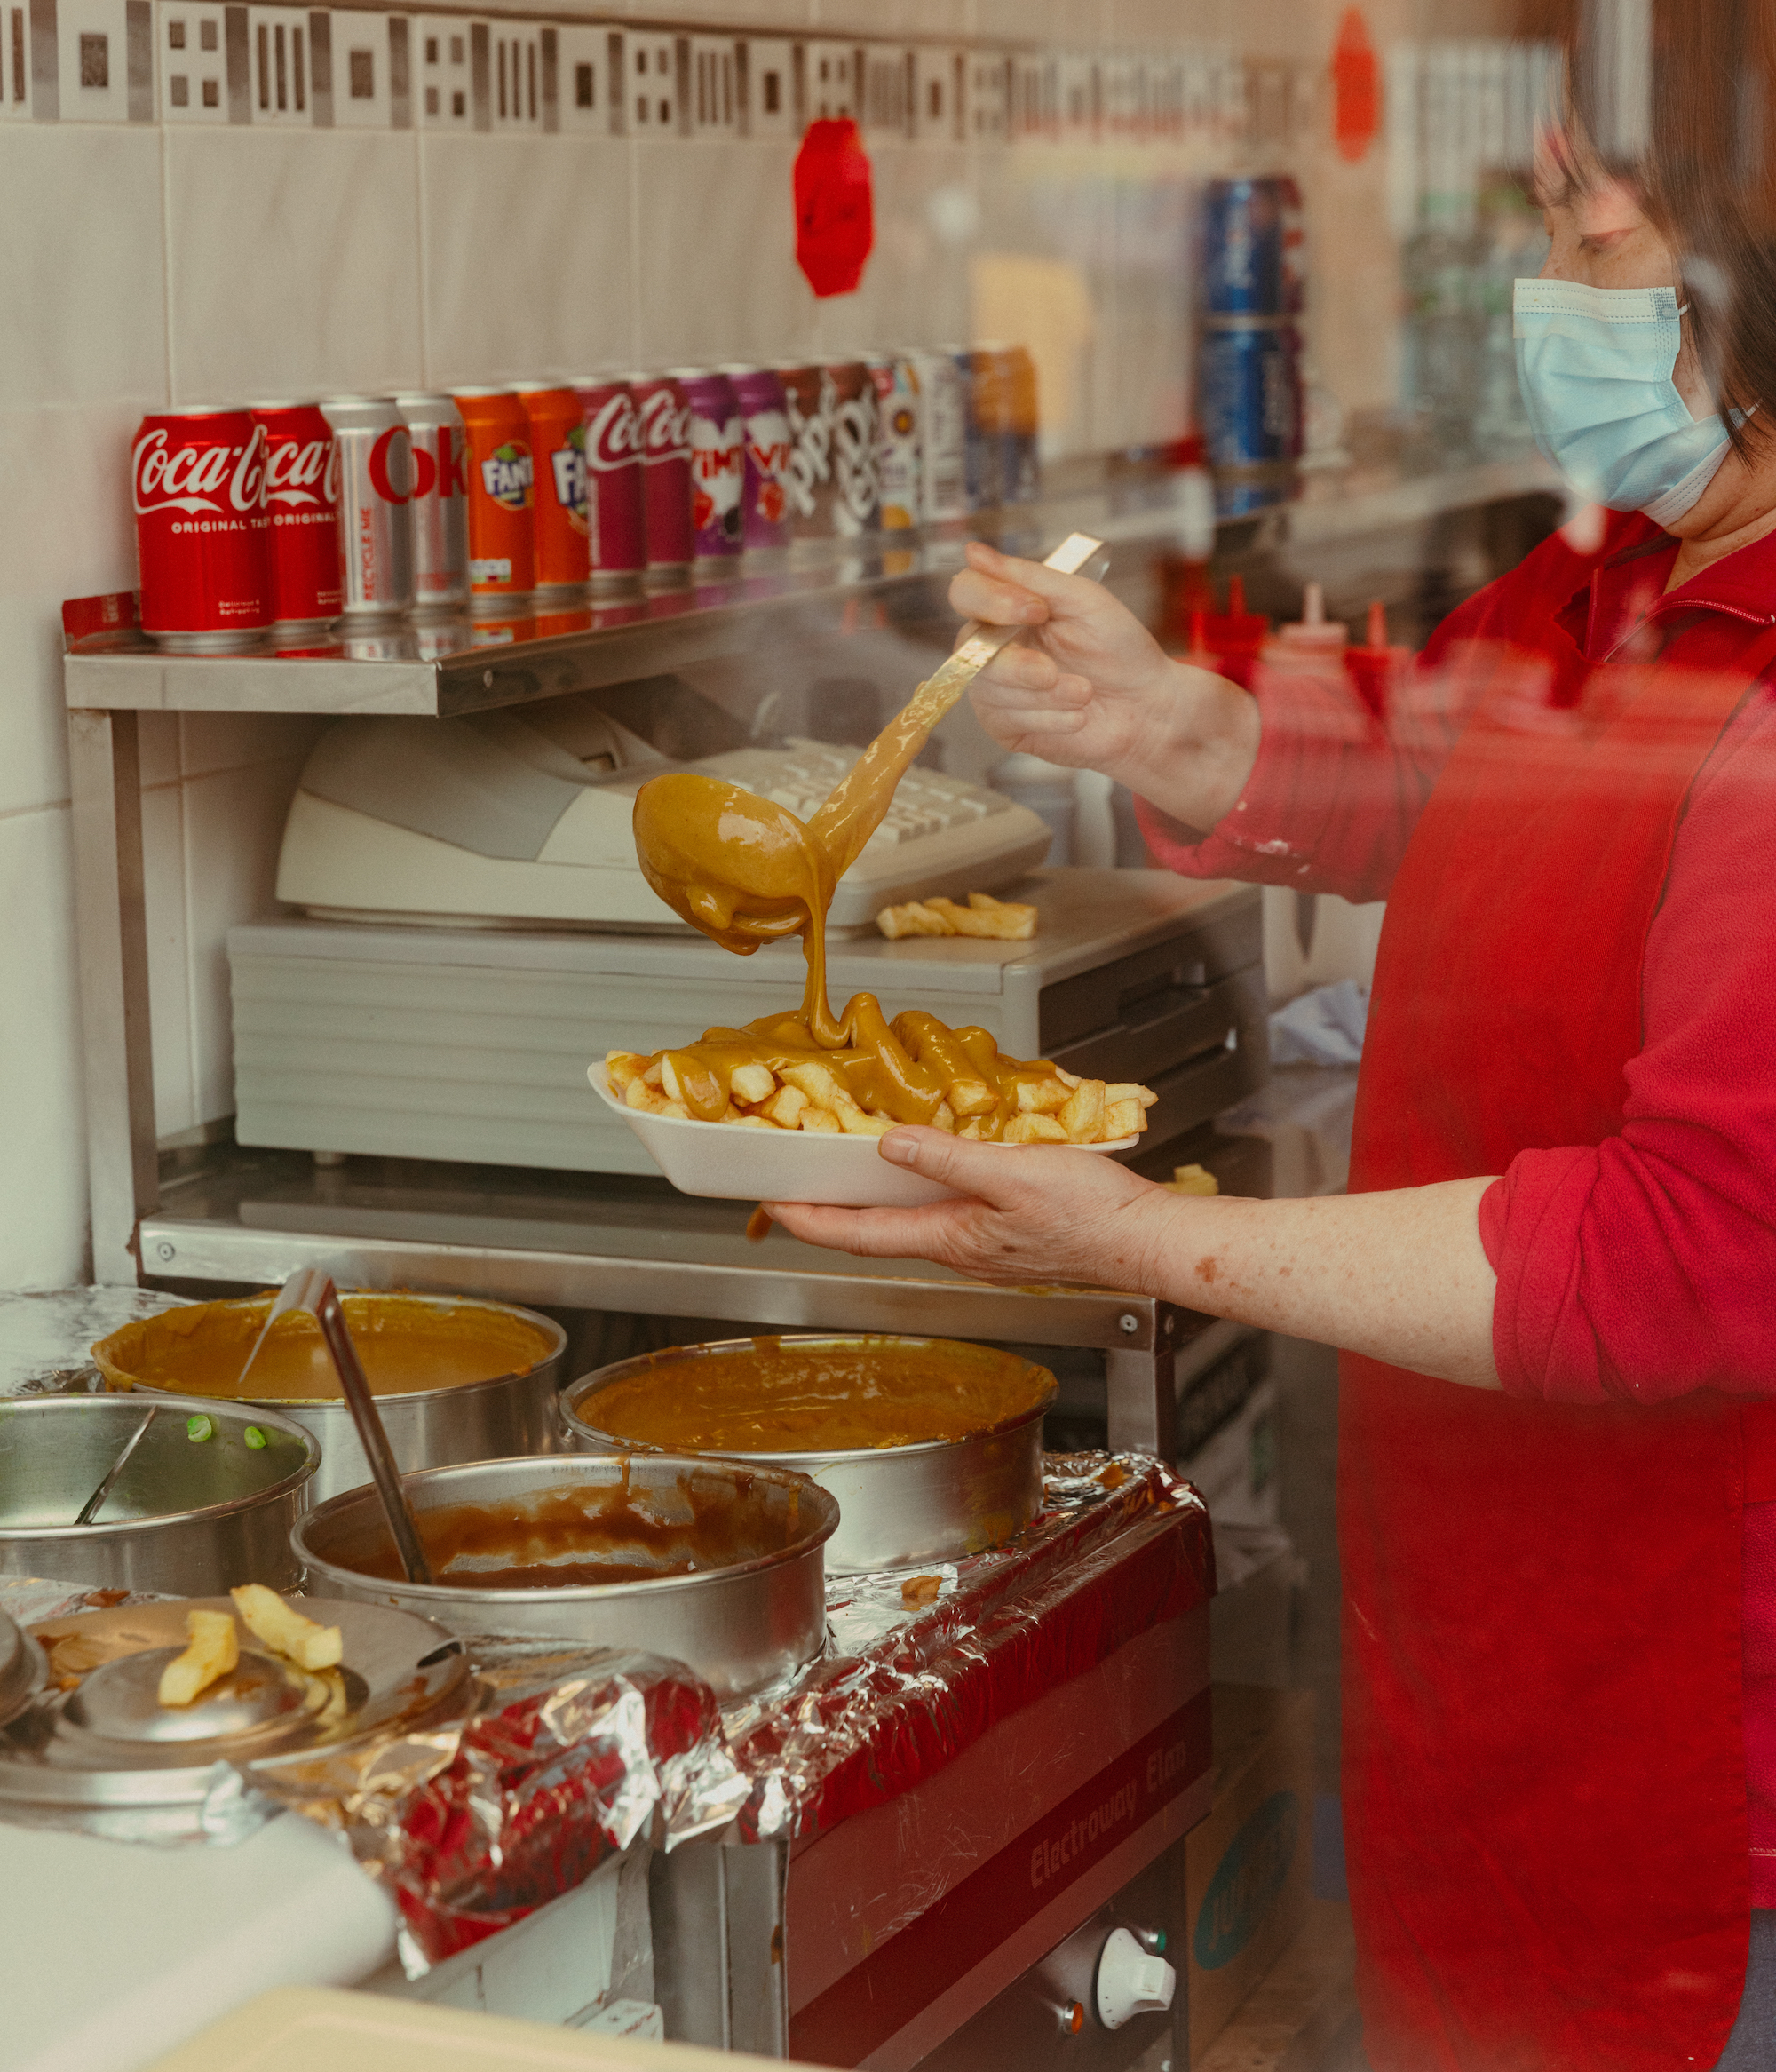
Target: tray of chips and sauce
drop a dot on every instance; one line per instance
(932, 1447)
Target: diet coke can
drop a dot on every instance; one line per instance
(202, 534)
(441, 503)
(616, 525)
(764, 458)
(897, 413)
(375, 517)
(501, 512)
(302, 498)
(558, 445)
(943, 411)
(718, 471)
(856, 449)
(663, 416)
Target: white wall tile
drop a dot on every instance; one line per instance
(93, 49)
(85, 310)
(233, 828)
(163, 881)
(294, 261)
(716, 254)
(42, 1208)
(525, 275)
(916, 285)
(191, 59)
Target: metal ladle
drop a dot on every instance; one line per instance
(308, 1288)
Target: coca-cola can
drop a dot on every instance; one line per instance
(616, 523)
(202, 533)
(441, 503)
(663, 425)
(558, 445)
(717, 468)
(502, 509)
(302, 501)
(809, 489)
(375, 515)
(856, 449)
(897, 442)
(943, 429)
(764, 458)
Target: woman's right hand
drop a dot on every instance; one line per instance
(1092, 689)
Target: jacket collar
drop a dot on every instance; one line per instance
(1626, 590)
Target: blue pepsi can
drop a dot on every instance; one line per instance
(1249, 390)
(1250, 263)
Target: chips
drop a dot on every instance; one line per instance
(999, 920)
(1053, 1107)
(284, 1630)
(212, 1651)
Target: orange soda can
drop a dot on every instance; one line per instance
(558, 443)
(502, 503)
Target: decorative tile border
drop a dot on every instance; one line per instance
(292, 67)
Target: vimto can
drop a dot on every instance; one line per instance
(943, 411)
(302, 501)
(663, 425)
(558, 445)
(501, 511)
(375, 516)
(203, 536)
(717, 467)
(616, 522)
(441, 503)
(897, 415)
(764, 458)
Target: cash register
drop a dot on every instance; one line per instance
(466, 928)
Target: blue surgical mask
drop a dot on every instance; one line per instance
(1595, 365)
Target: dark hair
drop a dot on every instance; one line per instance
(1690, 122)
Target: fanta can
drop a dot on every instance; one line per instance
(558, 445)
(501, 498)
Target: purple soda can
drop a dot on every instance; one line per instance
(764, 430)
(718, 464)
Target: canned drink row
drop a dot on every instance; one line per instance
(289, 516)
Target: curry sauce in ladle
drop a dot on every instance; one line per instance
(745, 870)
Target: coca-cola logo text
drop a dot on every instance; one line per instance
(613, 433)
(196, 476)
(301, 472)
(665, 427)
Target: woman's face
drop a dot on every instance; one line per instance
(1599, 235)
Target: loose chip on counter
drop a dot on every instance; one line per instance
(920, 1590)
(284, 1630)
(1192, 1179)
(1000, 920)
(212, 1651)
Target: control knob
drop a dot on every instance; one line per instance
(1131, 1983)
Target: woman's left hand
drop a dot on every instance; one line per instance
(1028, 1214)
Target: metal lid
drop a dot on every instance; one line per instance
(22, 1670)
(103, 1741)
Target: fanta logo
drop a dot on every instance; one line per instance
(568, 465)
(1246, 1881)
(506, 475)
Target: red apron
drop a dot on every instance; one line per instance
(1545, 1760)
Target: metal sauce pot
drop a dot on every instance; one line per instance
(454, 1379)
(899, 1506)
(198, 1507)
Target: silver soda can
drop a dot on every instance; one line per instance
(896, 417)
(376, 506)
(441, 503)
(943, 409)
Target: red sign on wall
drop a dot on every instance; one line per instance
(1356, 90)
(835, 209)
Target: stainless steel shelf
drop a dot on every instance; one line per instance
(467, 665)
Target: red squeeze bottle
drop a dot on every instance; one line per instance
(1375, 667)
(1236, 635)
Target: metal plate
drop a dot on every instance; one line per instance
(22, 1670)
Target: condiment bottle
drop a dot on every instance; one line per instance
(1375, 668)
(1236, 636)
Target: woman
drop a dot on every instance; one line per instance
(1554, 1279)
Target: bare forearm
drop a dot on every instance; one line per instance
(1193, 757)
(1401, 1276)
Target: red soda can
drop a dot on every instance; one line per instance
(558, 445)
(502, 509)
(441, 503)
(616, 523)
(202, 534)
(764, 458)
(664, 423)
(718, 471)
(302, 497)
(375, 516)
